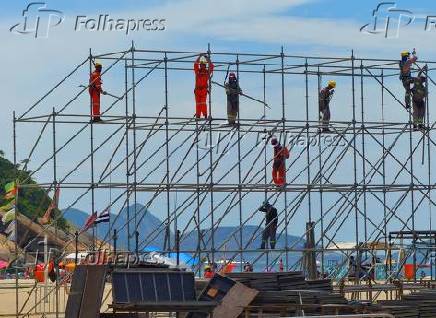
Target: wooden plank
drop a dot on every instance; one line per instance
(93, 291)
(76, 292)
(234, 302)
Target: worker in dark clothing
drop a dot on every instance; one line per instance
(203, 69)
(281, 153)
(248, 267)
(325, 96)
(232, 90)
(406, 74)
(419, 93)
(270, 229)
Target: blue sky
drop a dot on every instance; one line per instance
(30, 66)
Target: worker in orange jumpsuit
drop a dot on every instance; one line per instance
(281, 153)
(203, 69)
(95, 90)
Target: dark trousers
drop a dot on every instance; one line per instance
(232, 108)
(407, 94)
(418, 112)
(324, 114)
(269, 232)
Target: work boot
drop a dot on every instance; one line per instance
(96, 119)
(326, 130)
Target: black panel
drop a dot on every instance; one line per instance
(148, 288)
(188, 286)
(163, 293)
(134, 287)
(176, 290)
(119, 291)
(157, 286)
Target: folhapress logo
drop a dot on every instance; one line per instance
(38, 20)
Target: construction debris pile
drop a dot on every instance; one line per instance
(289, 293)
(421, 304)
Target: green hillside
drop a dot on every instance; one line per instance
(32, 202)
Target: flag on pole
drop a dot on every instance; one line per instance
(7, 206)
(53, 205)
(11, 190)
(90, 221)
(10, 231)
(103, 217)
(9, 216)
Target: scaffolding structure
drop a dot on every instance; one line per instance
(374, 176)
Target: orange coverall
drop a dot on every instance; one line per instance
(95, 91)
(202, 75)
(279, 167)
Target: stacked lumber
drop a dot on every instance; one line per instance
(291, 293)
(421, 303)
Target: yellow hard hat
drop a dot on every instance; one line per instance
(207, 267)
(98, 64)
(332, 83)
(405, 53)
(203, 60)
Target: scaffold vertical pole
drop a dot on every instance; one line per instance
(127, 140)
(282, 62)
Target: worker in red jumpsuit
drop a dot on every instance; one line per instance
(281, 153)
(95, 90)
(208, 272)
(203, 69)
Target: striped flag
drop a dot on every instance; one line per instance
(90, 221)
(103, 217)
(11, 190)
(53, 205)
(7, 206)
(10, 231)
(9, 216)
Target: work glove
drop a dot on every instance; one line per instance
(104, 92)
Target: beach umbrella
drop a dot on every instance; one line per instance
(3, 265)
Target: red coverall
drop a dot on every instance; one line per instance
(95, 91)
(202, 75)
(279, 167)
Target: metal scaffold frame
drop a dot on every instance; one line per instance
(319, 164)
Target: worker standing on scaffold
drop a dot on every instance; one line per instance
(232, 90)
(419, 93)
(203, 69)
(406, 74)
(325, 96)
(281, 153)
(95, 89)
(270, 230)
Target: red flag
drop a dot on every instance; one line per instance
(53, 205)
(89, 222)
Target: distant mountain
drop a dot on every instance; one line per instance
(228, 237)
(152, 229)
